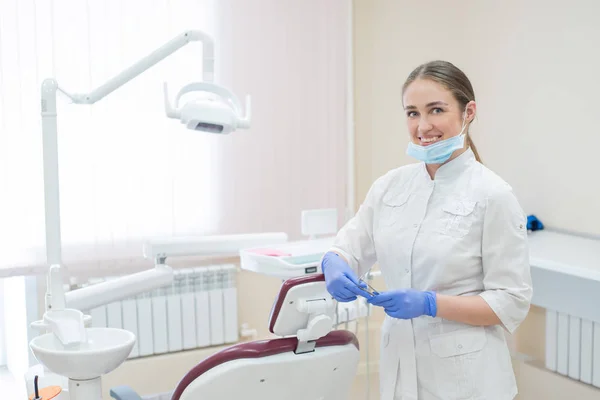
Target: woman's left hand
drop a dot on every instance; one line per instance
(406, 303)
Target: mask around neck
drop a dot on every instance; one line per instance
(439, 152)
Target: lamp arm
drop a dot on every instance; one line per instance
(179, 41)
(120, 288)
(55, 297)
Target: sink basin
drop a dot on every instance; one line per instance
(104, 351)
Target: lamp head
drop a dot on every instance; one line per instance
(216, 110)
(208, 115)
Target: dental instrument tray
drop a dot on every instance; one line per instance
(286, 260)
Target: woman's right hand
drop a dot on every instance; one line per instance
(342, 283)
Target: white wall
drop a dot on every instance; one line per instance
(2, 325)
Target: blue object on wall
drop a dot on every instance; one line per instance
(534, 224)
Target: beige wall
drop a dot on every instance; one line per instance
(533, 67)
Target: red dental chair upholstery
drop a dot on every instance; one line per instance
(308, 361)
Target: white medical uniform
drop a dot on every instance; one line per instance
(462, 234)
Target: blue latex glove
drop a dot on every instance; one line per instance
(342, 282)
(406, 303)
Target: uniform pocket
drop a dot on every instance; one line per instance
(458, 361)
(458, 217)
(393, 208)
(457, 343)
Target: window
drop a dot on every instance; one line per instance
(126, 171)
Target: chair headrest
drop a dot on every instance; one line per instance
(303, 304)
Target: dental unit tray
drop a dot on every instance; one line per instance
(286, 260)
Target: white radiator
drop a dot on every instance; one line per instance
(566, 282)
(198, 310)
(573, 347)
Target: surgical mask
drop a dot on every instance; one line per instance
(439, 152)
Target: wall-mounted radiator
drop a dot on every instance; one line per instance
(566, 282)
(573, 347)
(198, 310)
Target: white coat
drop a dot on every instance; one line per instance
(462, 234)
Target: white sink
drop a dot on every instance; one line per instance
(105, 350)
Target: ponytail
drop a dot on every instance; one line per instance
(473, 148)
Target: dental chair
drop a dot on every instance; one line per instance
(308, 361)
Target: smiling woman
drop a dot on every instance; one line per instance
(450, 240)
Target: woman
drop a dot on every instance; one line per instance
(451, 241)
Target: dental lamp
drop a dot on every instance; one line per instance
(220, 114)
(66, 349)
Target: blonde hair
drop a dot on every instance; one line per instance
(453, 79)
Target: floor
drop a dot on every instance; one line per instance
(359, 388)
(529, 384)
(11, 389)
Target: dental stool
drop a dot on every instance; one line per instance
(308, 362)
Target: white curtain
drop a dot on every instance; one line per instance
(126, 171)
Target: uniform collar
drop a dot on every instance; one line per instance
(453, 168)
